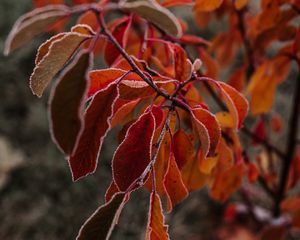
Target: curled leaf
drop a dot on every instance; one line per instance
(207, 123)
(32, 24)
(103, 220)
(156, 14)
(156, 228)
(183, 148)
(175, 188)
(69, 94)
(97, 119)
(59, 53)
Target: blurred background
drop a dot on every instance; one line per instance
(38, 199)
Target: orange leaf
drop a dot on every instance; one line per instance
(183, 148)
(175, 188)
(227, 182)
(192, 177)
(183, 67)
(236, 103)
(239, 4)
(207, 5)
(156, 228)
(209, 131)
(83, 160)
(264, 82)
(206, 165)
(211, 65)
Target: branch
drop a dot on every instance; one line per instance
(247, 44)
(291, 146)
(135, 68)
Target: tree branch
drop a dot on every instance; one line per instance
(291, 146)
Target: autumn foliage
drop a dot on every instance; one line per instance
(181, 119)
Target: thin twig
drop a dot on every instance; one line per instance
(291, 146)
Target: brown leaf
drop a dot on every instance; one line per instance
(156, 14)
(69, 94)
(101, 223)
(60, 51)
(32, 24)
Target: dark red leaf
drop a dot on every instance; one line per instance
(102, 222)
(83, 160)
(120, 32)
(66, 125)
(133, 154)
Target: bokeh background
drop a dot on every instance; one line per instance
(38, 199)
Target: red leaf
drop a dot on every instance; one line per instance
(133, 154)
(260, 131)
(122, 112)
(173, 3)
(97, 119)
(66, 125)
(158, 115)
(208, 129)
(103, 220)
(194, 40)
(175, 188)
(111, 191)
(183, 67)
(41, 3)
(100, 79)
(120, 32)
(156, 228)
